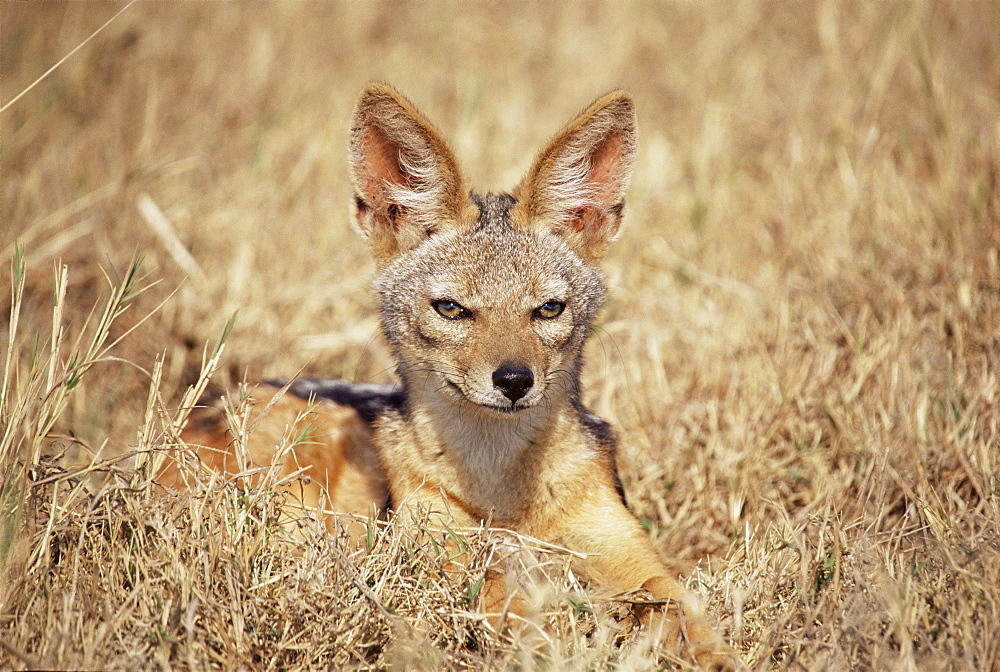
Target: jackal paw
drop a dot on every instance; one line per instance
(682, 627)
(690, 634)
(718, 659)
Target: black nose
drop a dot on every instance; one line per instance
(513, 381)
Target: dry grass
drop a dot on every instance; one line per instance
(800, 348)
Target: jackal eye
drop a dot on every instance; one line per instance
(550, 310)
(449, 309)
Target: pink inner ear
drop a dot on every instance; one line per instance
(605, 181)
(583, 218)
(606, 170)
(380, 165)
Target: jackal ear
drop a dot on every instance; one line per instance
(577, 185)
(406, 178)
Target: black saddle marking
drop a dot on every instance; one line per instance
(369, 399)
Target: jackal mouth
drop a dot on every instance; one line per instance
(503, 410)
(512, 409)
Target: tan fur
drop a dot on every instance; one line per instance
(486, 302)
(330, 465)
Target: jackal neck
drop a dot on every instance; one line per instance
(488, 462)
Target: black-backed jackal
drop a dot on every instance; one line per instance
(486, 301)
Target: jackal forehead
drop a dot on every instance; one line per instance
(499, 254)
(493, 262)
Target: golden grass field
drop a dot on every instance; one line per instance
(800, 349)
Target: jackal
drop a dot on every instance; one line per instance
(486, 301)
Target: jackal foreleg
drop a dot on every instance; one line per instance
(620, 558)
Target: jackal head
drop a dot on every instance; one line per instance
(486, 300)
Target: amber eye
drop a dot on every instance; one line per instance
(550, 310)
(449, 309)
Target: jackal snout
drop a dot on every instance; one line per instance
(513, 381)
